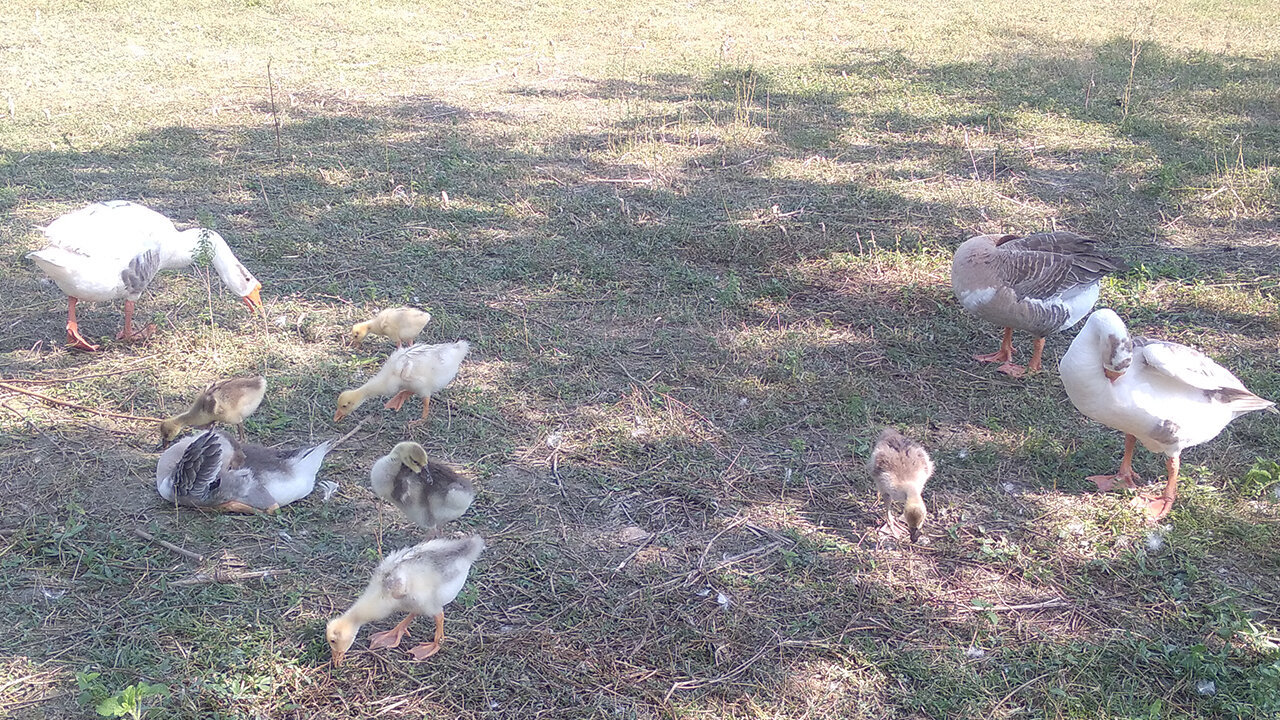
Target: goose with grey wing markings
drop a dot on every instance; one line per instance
(1164, 394)
(1042, 284)
(112, 250)
(212, 471)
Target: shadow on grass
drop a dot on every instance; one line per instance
(697, 346)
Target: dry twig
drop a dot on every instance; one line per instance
(222, 577)
(64, 403)
(168, 545)
(1051, 602)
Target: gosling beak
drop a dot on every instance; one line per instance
(915, 534)
(1111, 374)
(161, 446)
(252, 300)
(337, 657)
(338, 415)
(354, 341)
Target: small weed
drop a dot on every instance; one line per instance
(1261, 478)
(730, 294)
(129, 702)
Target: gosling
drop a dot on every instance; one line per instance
(428, 492)
(225, 401)
(401, 324)
(901, 467)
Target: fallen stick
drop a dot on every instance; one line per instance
(635, 552)
(344, 438)
(621, 181)
(73, 378)
(168, 545)
(220, 577)
(1051, 602)
(64, 403)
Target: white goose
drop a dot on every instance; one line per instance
(111, 250)
(1042, 283)
(1167, 395)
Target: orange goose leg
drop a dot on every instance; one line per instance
(127, 333)
(1037, 351)
(74, 338)
(397, 402)
(391, 638)
(237, 506)
(426, 405)
(426, 650)
(1158, 507)
(1125, 475)
(1004, 356)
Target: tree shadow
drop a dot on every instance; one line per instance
(695, 345)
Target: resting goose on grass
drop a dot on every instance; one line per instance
(1042, 284)
(212, 471)
(111, 250)
(1169, 396)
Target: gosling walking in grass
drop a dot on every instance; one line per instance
(900, 467)
(224, 401)
(401, 324)
(420, 370)
(418, 580)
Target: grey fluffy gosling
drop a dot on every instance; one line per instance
(901, 467)
(429, 492)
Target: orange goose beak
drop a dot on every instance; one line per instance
(253, 301)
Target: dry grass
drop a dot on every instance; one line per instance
(701, 255)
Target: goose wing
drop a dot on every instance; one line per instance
(140, 271)
(224, 396)
(114, 230)
(414, 357)
(399, 567)
(205, 403)
(1185, 364)
(1043, 265)
(436, 363)
(198, 474)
